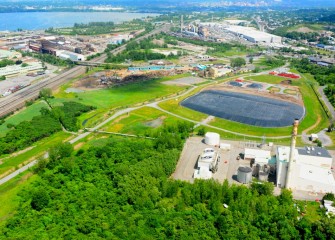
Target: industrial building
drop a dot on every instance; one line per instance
(218, 72)
(70, 55)
(261, 161)
(207, 164)
(304, 169)
(253, 35)
(118, 39)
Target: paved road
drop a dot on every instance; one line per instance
(17, 172)
(326, 101)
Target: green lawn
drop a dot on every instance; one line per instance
(313, 27)
(267, 79)
(118, 97)
(9, 199)
(138, 121)
(121, 96)
(25, 115)
(39, 148)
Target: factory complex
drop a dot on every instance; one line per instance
(229, 30)
(303, 170)
(254, 35)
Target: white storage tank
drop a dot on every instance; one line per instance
(244, 174)
(212, 139)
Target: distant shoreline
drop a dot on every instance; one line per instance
(42, 20)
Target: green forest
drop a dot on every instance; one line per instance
(324, 75)
(139, 52)
(123, 190)
(27, 133)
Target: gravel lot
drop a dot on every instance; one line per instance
(185, 81)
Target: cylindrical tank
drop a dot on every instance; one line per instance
(212, 139)
(263, 176)
(244, 174)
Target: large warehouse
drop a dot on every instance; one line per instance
(311, 169)
(254, 35)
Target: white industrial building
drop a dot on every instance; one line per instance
(207, 164)
(310, 169)
(305, 169)
(219, 72)
(70, 55)
(118, 39)
(257, 155)
(254, 35)
(15, 70)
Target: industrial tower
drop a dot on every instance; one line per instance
(292, 159)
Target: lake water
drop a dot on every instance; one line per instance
(44, 20)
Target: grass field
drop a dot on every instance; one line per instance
(9, 199)
(266, 79)
(311, 27)
(10, 163)
(118, 97)
(123, 95)
(235, 51)
(25, 115)
(140, 121)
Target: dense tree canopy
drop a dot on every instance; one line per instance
(26, 133)
(237, 62)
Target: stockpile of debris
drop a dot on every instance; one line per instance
(112, 81)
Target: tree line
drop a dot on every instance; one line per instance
(323, 75)
(49, 122)
(140, 51)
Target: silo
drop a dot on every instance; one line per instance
(212, 139)
(244, 174)
(263, 176)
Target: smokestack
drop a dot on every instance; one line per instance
(292, 149)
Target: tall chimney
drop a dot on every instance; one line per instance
(292, 149)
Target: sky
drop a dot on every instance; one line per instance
(305, 3)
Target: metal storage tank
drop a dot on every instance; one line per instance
(212, 139)
(263, 176)
(244, 174)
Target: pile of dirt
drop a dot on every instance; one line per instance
(286, 82)
(106, 79)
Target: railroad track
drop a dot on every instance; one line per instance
(18, 99)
